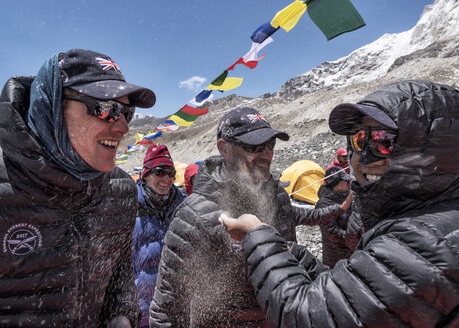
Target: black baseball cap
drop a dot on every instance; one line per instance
(344, 117)
(248, 126)
(332, 178)
(98, 76)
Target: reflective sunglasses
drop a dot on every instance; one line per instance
(254, 148)
(381, 141)
(108, 110)
(162, 172)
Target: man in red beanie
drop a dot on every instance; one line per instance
(341, 160)
(158, 198)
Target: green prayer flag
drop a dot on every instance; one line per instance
(334, 17)
(220, 79)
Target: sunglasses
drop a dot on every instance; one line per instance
(162, 172)
(381, 141)
(254, 148)
(108, 110)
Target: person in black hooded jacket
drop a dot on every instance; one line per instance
(334, 191)
(66, 214)
(405, 270)
(202, 280)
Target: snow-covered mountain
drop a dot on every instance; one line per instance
(138, 116)
(439, 21)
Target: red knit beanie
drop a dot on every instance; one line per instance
(156, 156)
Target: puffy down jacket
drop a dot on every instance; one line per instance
(405, 270)
(66, 243)
(202, 279)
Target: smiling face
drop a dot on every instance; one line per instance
(160, 185)
(366, 174)
(94, 139)
(257, 166)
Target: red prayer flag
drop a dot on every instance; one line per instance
(193, 111)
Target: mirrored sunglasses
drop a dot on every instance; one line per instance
(382, 142)
(271, 143)
(162, 172)
(108, 110)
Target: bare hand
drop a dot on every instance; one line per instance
(347, 202)
(119, 322)
(237, 228)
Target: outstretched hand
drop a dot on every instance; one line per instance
(237, 228)
(347, 202)
(119, 322)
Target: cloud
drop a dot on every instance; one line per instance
(194, 83)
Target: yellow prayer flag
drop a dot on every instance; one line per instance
(289, 16)
(139, 137)
(228, 84)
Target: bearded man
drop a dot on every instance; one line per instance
(202, 280)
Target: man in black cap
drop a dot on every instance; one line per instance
(201, 278)
(405, 269)
(66, 213)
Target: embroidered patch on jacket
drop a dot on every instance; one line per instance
(21, 239)
(283, 227)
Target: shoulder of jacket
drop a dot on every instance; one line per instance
(197, 211)
(415, 233)
(118, 182)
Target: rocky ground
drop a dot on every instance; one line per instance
(311, 238)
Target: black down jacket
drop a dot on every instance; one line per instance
(334, 246)
(65, 259)
(405, 270)
(202, 279)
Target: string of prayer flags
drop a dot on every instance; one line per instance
(289, 16)
(225, 83)
(334, 17)
(251, 59)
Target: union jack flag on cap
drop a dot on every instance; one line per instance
(108, 64)
(254, 118)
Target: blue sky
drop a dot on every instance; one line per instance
(163, 44)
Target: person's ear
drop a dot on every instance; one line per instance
(223, 147)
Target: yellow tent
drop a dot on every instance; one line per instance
(180, 175)
(301, 174)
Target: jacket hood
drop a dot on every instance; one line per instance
(21, 148)
(424, 167)
(190, 172)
